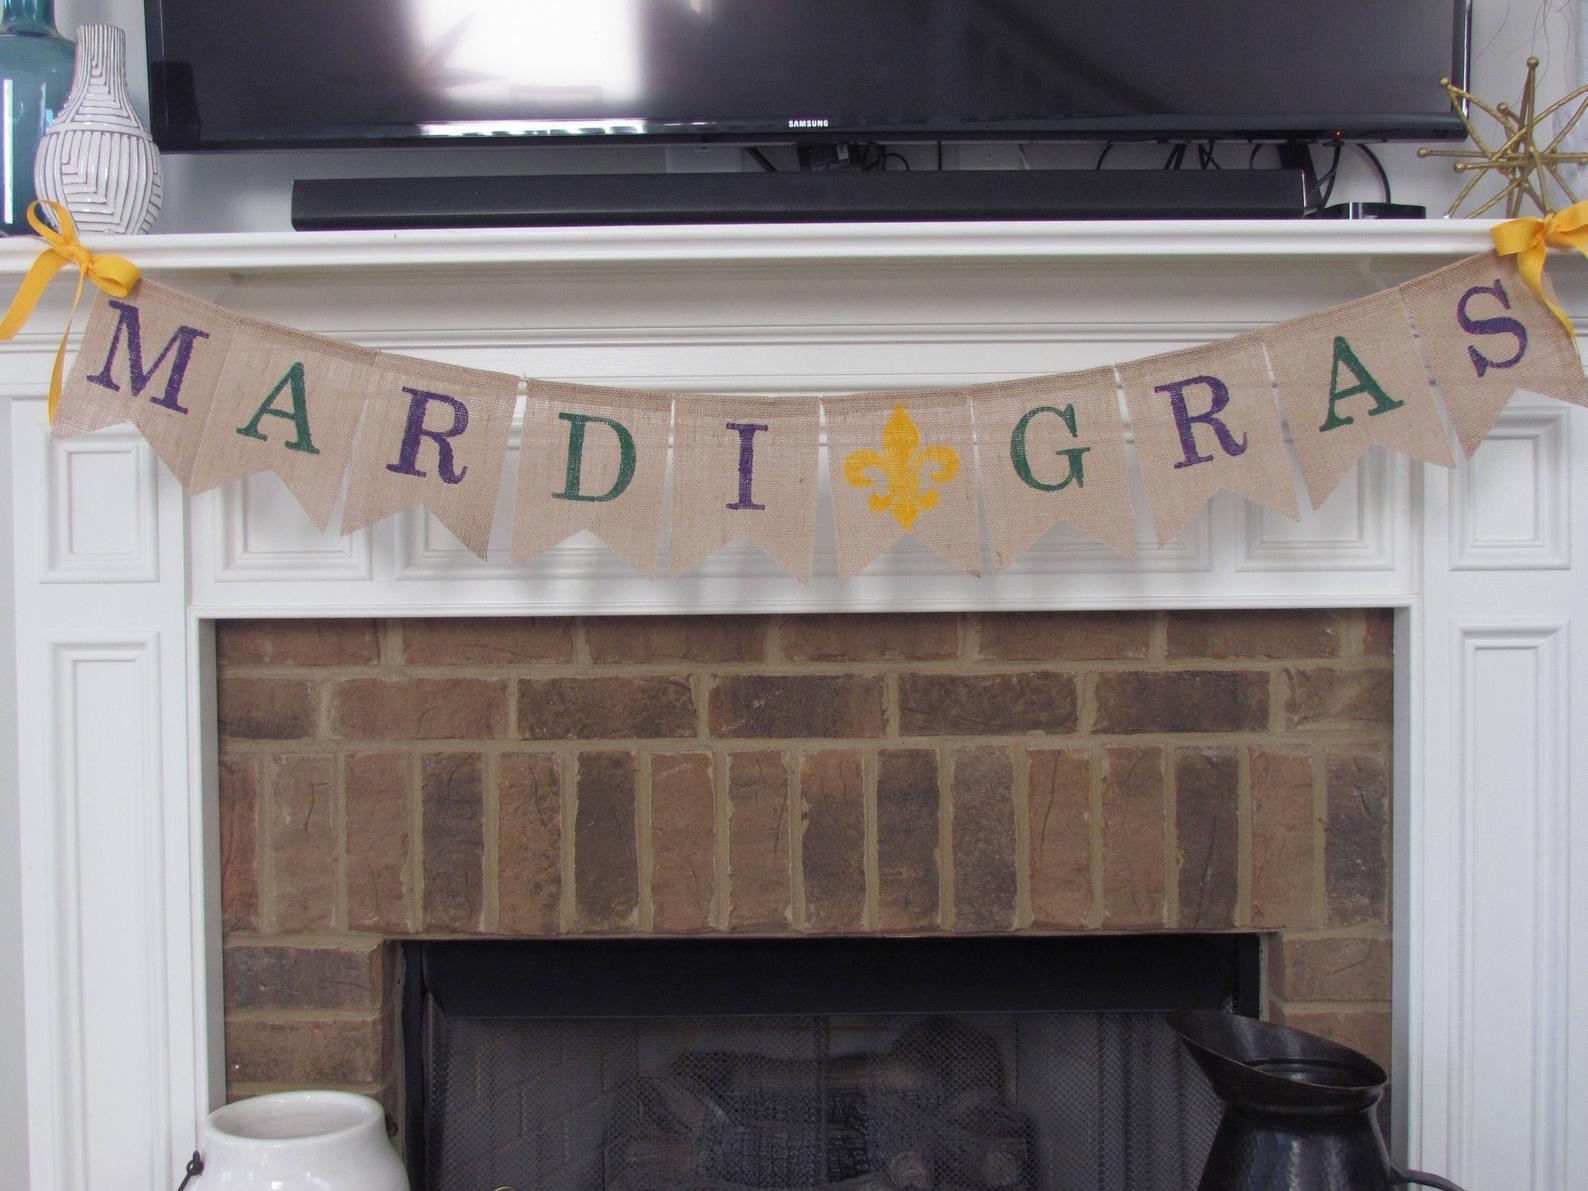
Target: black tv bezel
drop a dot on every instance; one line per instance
(1257, 128)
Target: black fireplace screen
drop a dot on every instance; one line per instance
(1024, 1099)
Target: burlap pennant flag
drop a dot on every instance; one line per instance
(288, 403)
(1205, 419)
(1052, 449)
(432, 435)
(745, 467)
(593, 459)
(1349, 378)
(153, 358)
(903, 463)
(1487, 335)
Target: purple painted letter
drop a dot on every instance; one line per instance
(1491, 326)
(408, 458)
(746, 462)
(1185, 421)
(182, 342)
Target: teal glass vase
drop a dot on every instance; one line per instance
(35, 78)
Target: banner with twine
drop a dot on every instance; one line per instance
(1350, 378)
(1205, 419)
(592, 459)
(432, 435)
(1052, 450)
(1486, 334)
(903, 463)
(288, 403)
(745, 467)
(220, 396)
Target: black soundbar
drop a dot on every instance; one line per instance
(562, 200)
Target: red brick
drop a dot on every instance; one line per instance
(1255, 633)
(419, 708)
(1064, 636)
(1378, 632)
(270, 976)
(528, 844)
(606, 873)
(984, 839)
(640, 640)
(833, 845)
(1059, 798)
(1134, 825)
(986, 704)
(452, 794)
(1182, 701)
(487, 641)
(605, 709)
(1366, 1031)
(304, 1052)
(907, 839)
(790, 706)
(892, 637)
(266, 708)
(1283, 822)
(1332, 969)
(758, 842)
(1356, 839)
(239, 824)
(1324, 698)
(297, 643)
(683, 839)
(303, 843)
(378, 838)
(1207, 798)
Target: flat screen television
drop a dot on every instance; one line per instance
(229, 74)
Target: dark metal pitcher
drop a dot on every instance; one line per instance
(1299, 1110)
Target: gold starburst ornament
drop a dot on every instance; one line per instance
(1528, 170)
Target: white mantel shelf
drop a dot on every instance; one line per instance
(726, 244)
(120, 575)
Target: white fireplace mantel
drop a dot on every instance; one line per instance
(119, 573)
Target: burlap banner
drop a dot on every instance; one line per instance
(1205, 420)
(745, 467)
(221, 397)
(1486, 335)
(1053, 450)
(903, 463)
(592, 459)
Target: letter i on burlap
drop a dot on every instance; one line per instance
(1205, 419)
(1487, 335)
(903, 463)
(1052, 450)
(289, 403)
(1349, 378)
(153, 358)
(432, 435)
(592, 459)
(745, 467)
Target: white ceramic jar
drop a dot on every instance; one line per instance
(299, 1141)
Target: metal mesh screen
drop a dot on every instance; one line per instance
(1026, 1101)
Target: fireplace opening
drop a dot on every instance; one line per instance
(1026, 1064)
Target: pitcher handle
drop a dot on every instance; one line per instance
(1420, 1179)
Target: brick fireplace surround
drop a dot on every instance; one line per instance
(1045, 773)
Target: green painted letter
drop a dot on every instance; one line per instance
(626, 458)
(1018, 457)
(298, 415)
(1382, 401)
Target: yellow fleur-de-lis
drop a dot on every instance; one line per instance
(901, 462)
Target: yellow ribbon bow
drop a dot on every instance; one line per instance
(1529, 240)
(110, 273)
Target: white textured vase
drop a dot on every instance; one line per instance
(299, 1141)
(97, 160)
